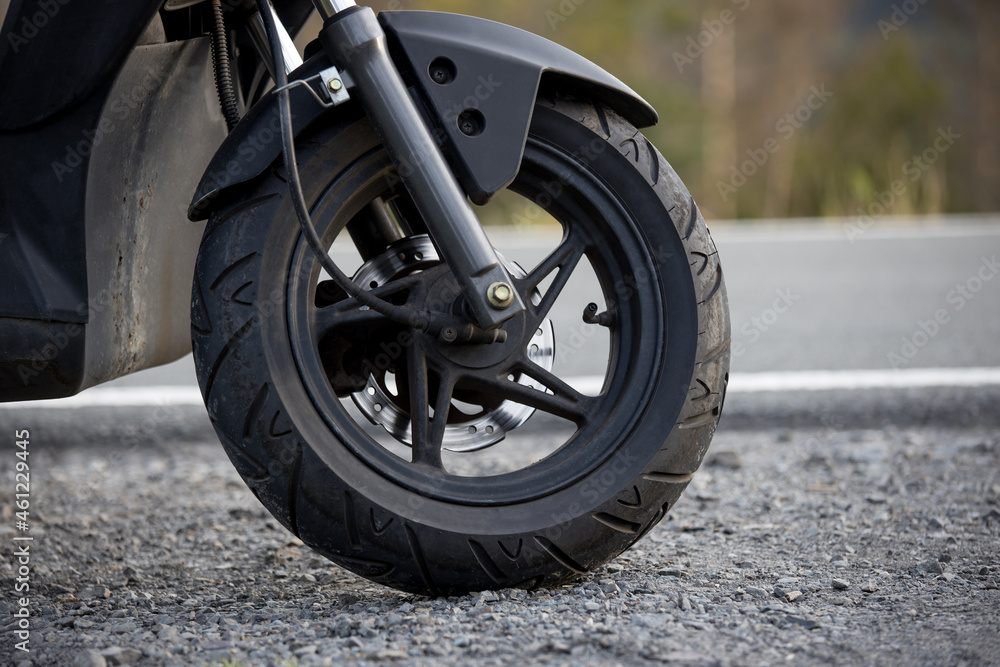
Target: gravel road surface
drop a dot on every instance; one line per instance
(824, 542)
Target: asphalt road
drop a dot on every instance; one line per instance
(818, 295)
(854, 302)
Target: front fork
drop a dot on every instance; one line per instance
(355, 42)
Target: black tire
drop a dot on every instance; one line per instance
(419, 528)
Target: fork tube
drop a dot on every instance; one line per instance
(258, 34)
(355, 42)
(330, 8)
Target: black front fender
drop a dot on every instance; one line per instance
(495, 70)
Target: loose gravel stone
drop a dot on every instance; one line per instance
(161, 557)
(88, 658)
(117, 655)
(931, 566)
(807, 623)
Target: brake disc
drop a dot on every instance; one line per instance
(377, 400)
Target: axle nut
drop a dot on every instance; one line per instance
(500, 295)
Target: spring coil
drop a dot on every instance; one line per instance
(220, 61)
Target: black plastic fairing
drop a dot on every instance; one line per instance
(253, 145)
(499, 73)
(494, 72)
(55, 54)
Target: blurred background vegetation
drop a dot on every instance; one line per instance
(726, 74)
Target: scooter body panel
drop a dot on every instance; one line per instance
(98, 249)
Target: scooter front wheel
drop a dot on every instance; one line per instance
(442, 468)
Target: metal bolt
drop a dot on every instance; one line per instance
(500, 295)
(335, 85)
(471, 122)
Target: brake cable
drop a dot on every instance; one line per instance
(448, 328)
(221, 65)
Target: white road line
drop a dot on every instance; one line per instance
(879, 379)
(111, 397)
(824, 230)
(835, 230)
(749, 383)
(740, 383)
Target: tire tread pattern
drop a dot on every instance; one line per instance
(356, 531)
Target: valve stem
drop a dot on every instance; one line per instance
(590, 316)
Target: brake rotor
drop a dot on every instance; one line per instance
(380, 401)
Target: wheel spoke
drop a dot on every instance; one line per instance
(563, 259)
(554, 383)
(418, 376)
(427, 434)
(564, 401)
(442, 405)
(352, 317)
(348, 313)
